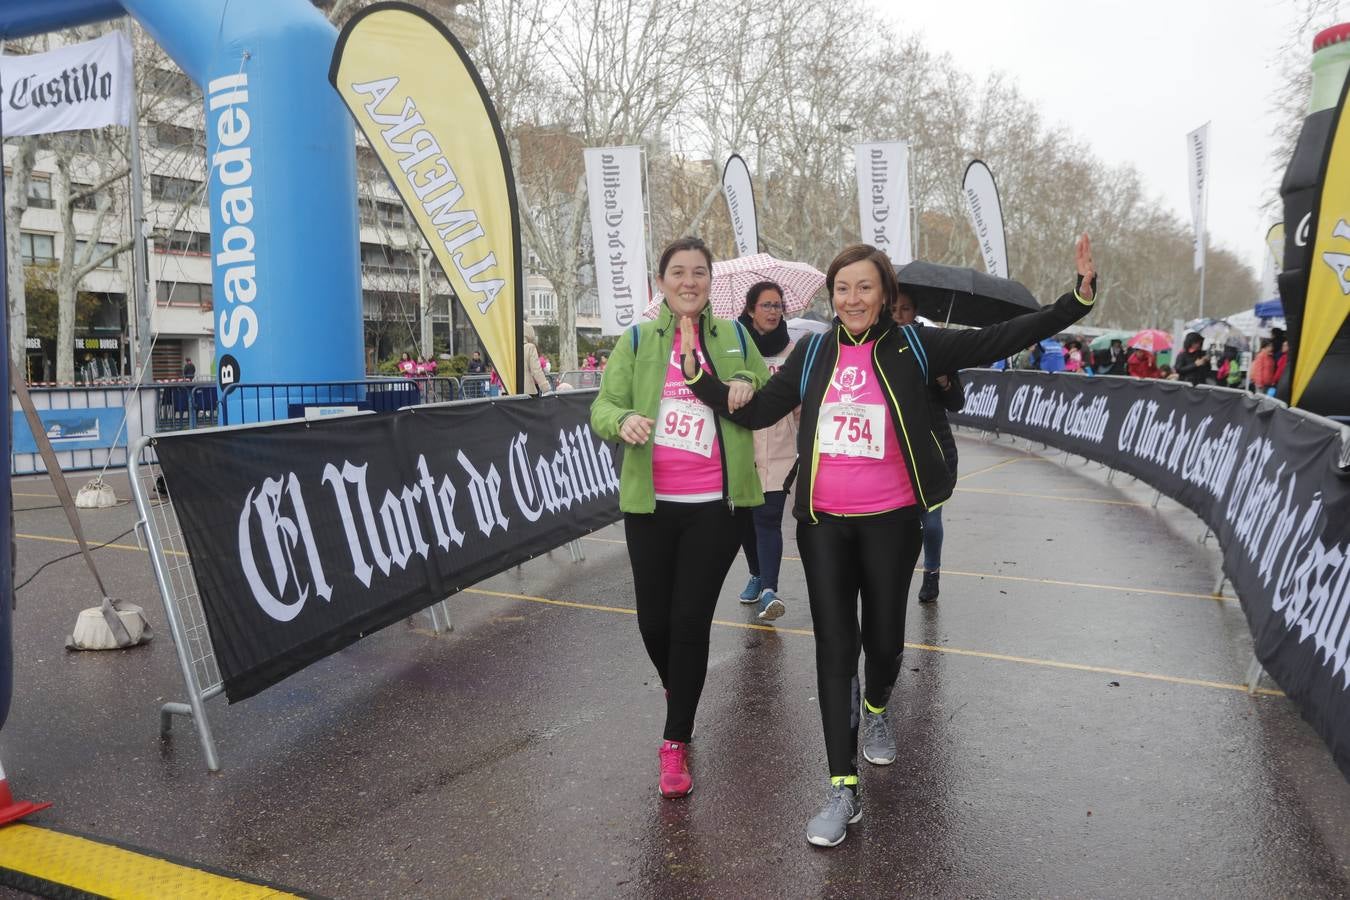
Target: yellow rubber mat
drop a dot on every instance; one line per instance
(40, 860)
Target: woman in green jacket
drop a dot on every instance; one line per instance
(688, 478)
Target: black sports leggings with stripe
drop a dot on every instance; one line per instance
(846, 557)
(680, 554)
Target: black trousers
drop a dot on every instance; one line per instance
(680, 555)
(846, 557)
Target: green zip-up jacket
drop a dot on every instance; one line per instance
(634, 381)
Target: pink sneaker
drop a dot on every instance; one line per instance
(675, 778)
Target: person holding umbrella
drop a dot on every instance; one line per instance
(1193, 362)
(687, 482)
(869, 467)
(775, 457)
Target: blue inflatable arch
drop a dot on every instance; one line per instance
(284, 238)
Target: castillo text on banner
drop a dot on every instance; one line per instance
(618, 233)
(883, 198)
(81, 86)
(316, 534)
(740, 194)
(1197, 177)
(414, 93)
(1264, 478)
(986, 216)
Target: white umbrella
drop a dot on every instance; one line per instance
(800, 328)
(733, 277)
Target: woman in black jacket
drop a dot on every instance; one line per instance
(946, 394)
(870, 463)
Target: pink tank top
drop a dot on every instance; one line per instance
(860, 468)
(686, 457)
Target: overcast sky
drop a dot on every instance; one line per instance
(1132, 77)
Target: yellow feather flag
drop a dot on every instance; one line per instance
(1328, 299)
(422, 106)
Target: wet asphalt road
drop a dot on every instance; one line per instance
(1077, 738)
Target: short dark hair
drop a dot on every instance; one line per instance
(684, 243)
(1193, 339)
(756, 289)
(855, 253)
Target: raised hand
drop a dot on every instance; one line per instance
(1086, 270)
(636, 429)
(688, 346)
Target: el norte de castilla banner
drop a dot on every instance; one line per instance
(306, 536)
(986, 217)
(420, 103)
(1270, 482)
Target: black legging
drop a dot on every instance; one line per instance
(680, 556)
(844, 556)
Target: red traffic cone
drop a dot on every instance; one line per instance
(12, 810)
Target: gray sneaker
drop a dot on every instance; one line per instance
(770, 607)
(842, 808)
(877, 740)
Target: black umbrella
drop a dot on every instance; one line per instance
(963, 296)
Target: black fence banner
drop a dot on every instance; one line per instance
(307, 536)
(1269, 482)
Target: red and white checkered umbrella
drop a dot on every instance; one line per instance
(733, 277)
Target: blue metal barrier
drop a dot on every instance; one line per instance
(249, 403)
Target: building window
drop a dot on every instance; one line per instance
(383, 258)
(176, 136)
(81, 198)
(39, 191)
(38, 249)
(103, 247)
(542, 305)
(381, 212)
(190, 242)
(170, 83)
(175, 190)
(170, 293)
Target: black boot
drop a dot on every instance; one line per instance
(928, 591)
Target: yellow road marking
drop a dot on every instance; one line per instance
(43, 496)
(1121, 589)
(970, 490)
(998, 465)
(931, 648)
(109, 871)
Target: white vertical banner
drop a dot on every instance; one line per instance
(1274, 257)
(883, 197)
(71, 88)
(740, 194)
(614, 186)
(986, 216)
(1197, 177)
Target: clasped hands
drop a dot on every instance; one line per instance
(739, 392)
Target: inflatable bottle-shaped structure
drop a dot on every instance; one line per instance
(1300, 190)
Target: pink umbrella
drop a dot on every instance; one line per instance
(733, 277)
(1153, 340)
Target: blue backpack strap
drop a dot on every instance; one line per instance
(740, 333)
(634, 332)
(811, 349)
(912, 335)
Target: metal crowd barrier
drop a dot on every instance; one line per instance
(187, 405)
(583, 378)
(159, 533)
(475, 387)
(244, 404)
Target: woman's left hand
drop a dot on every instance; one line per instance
(688, 344)
(739, 393)
(1087, 272)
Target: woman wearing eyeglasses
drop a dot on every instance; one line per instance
(775, 457)
(687, 484)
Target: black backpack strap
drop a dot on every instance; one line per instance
(912, 336)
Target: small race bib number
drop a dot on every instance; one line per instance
(685, 425)
(852, 429)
